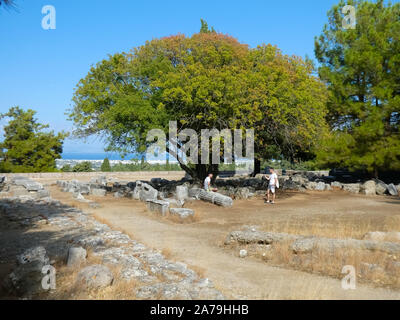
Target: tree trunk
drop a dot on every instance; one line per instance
(257, 167)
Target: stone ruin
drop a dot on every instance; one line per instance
(161, 195)
(23, 186)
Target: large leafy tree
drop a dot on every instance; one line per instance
(26, 147)
(290, 103)
(206, 81)
(362, 69)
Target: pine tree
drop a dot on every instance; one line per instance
(105, 166)
(362, 69)
(26, 146)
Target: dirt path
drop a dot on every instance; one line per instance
(200, 244)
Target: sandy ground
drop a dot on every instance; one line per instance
(200, 243)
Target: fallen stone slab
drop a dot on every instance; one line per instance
(183, 213)
(258, 237)
(98, 192)
(307, 245)
(158, 206)
(382, 236)
(216, 198)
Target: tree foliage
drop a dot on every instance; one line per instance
(26, 147)
(84, 166)
(105, 166)
(362, 68)
(206, 81)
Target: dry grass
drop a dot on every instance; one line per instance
(354, 227)
(68, 288)
(385, 274)
(331, 264)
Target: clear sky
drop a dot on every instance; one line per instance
(40, 68)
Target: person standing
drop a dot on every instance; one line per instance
(272, 186)
(207, 182)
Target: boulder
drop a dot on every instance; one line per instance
(375, 236)
(98, 192)
(194, 192)
(243, 253)
(258, 237)
(392, 190)
(96, 276)
(381, 187)
(183, 213)
(26, 279)
(182, 192)
(368, 188)
(158, 206)
(307, 245)
(311, 185)
(382, 236)
(299, 179)
(336, 185)
(352, 187)
(320, 186)
(242, 193)
(146, 191)
(76, 256)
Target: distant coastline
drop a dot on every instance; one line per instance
(96, 156)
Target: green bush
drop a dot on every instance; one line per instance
(85, 166)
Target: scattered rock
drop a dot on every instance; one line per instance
(336, 185)
(26, 279)
(183, 213)
(351, 187)
(392, 190)
(368, 188)
(96, 276)
(158, 206)
(381, 187)
(76, 256)
(242, 193)
(243, 253)
(98, 192)
(375, 236)
(182, 193)
(258, 237)
(320, 186)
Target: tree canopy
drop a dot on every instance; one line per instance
(26, 147)
(206, 81)
(362, 69)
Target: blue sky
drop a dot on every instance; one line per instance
(40, 68)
